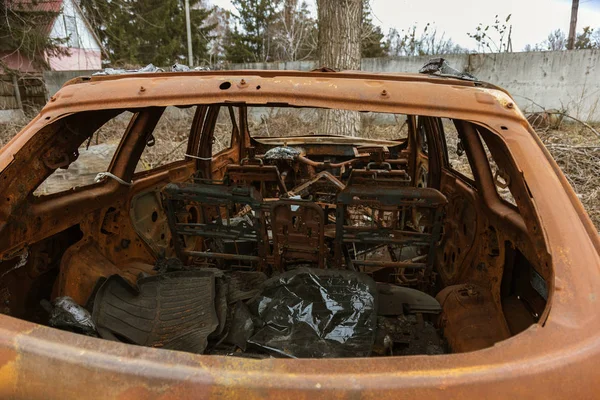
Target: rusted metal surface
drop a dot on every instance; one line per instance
(215, 223)
(369, 214)
(45, 355)
(266, 176)
(149, 220)
(82, 266)
(472, 310)
(556, 357)
(298, 233)
(323, 175)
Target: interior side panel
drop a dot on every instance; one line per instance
(457, 250)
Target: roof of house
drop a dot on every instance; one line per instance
(52, 6)
(35, 5)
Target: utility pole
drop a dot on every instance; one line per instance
(188, 27)
(573, 27)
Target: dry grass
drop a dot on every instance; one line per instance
(283, 122)
(575, 148)
(170, 136)
(9, 129)
(267, 121)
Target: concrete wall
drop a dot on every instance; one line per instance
(411, 64)
(55, 79)
(560, 79)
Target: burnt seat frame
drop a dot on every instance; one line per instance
(374, 176)
(221, 198)
(298, 228)
(401, 202)
(248, 174)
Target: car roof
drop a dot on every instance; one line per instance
(347, 74)
(411, 94)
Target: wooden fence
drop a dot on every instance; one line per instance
(31, 91)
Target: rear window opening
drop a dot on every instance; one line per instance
(292, 121)
(283, 232)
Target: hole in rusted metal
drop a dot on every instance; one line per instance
(225, 85)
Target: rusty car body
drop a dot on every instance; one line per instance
(517, 281)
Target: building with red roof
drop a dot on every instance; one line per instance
(83, 46)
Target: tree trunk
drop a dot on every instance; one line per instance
(340, 23)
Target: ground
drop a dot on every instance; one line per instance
(575, 147)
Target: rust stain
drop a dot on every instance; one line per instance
(8, 372)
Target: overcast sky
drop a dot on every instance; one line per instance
(532, 20)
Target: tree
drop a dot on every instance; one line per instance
(340, 25)
(295, 32)
(139, 32)
(373, 40)
(220, 19)
(585, 40)
(409, 43)
(284, 30)
(251, 39)
(596, 37)
(495, 38)
(24, 30)
(557, 40)
(340, 28)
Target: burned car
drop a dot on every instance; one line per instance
(279, 233)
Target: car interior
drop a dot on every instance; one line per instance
(251, 233)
